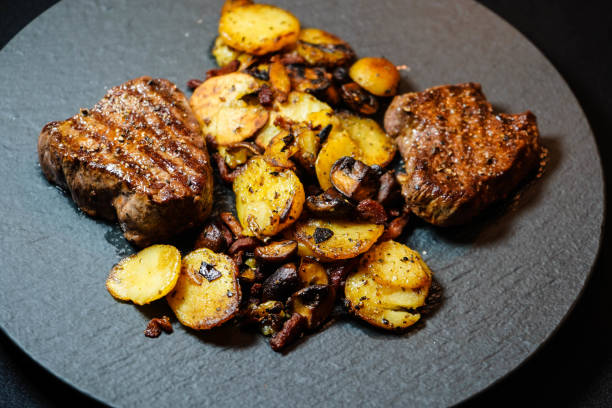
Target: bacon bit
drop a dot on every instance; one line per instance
(283, 123)
(232, 223)
(157, 325)
(287, 59)
(226, 69)
(265, 96)
(244, 244)
(291, 330)
(237, 257)
(194, 83)
(338, 273)
(395, 228)
(372, 211)
(224, 171)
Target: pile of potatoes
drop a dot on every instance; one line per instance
(285, 117)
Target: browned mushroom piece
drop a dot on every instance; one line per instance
(279, 251)
(358, 99)
(232, 223)
(338, 272)
(281, 284)
(389, 191)
(268, 316)
(243, 244)
(372, 211)
(330, 203)
(215, 236)
(353, 178)
(308, 79)
(314, 302)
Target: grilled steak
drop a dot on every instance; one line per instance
(460, 155)
(136, 156)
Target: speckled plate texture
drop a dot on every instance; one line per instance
(508, 280)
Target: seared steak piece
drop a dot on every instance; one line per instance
(460, 155)
(137, 156)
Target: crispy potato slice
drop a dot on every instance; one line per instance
(268, 198)
(258, 28)
(234, 157)
(233, 4)
(319, 47)
(145, 276)
(376, 75)
(280, 81)
(338, 144)
(391, 282)
(281, 149)
(312, 272)
(226, 118)
(224, 54)
(331, 240)
(300, 108)
(207, 293)
(375, 146)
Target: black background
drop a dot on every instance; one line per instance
(574, 369)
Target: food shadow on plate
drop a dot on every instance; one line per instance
(433, 303)
(226, 335)
(495, 222)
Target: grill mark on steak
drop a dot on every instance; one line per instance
(460, 155)
(137, 155)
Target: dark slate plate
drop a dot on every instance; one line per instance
(507, 280)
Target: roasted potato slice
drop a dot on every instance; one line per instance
(258, 28)
(300, 108)
(338, 144)
(268, 198)
(224, 54)
(376, 75)
(390, 284)
(280, 81)
(319, 47)
(312, 272)
(235, 156)
(207, 293)
(145, 276)
(331, 240)
(226, 118)
(375, 146)
(281, 149)
(232, 4)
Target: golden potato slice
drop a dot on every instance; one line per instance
(145, 276)
(391, 282)
(226, 118)
(312, 272)
(280, 81)
(319, 47)
(207, 293)
(376, 75)
(232, 4)
(258, 28)
(331, 240)
(268, 198)
(375, 146)
(224, 54)
(300, 108)
(337, 145)
(281, 149)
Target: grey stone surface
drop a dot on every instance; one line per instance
(508, 280)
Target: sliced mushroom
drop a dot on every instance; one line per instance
(358, 99)
(354, 179)
(314, 302)
(281, 284)
(279, 251)
(215, 236)
(329, 204)
(292, 329)
(389, 190)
